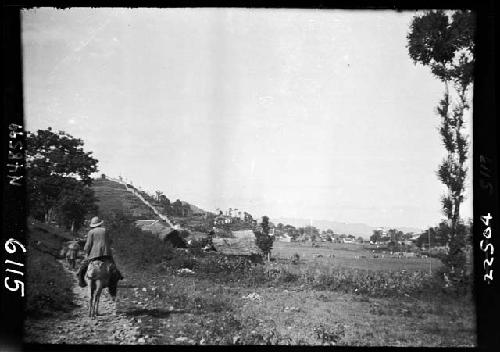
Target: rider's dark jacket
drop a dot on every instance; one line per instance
(98, 243)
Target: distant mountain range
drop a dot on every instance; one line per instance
(356, 229)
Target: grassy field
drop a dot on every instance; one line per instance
(351, 256)
(226, 302)
(230, 301)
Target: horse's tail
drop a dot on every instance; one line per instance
(113, 288)
(113, 282)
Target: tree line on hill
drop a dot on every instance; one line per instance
(436, 236)
(313, 234)
(165, 206)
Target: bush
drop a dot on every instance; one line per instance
(48, 286)
(287, 277)
(141, 249)
(330, 335)
(295, 259)
(182, 261)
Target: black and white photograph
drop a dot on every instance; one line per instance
(249, 176)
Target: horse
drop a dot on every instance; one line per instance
(69, 251)
(101, 274)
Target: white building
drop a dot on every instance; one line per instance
(285, 238)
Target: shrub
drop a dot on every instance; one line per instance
(287, 276)
(48, 286)
(295, 258)
(141, 249)
(182, 261)
(330, 334)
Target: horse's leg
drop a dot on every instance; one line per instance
(98, 296)
(92, 295)
(90, 298)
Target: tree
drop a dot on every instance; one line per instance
(445, 43)
(58, 154)
(158, 195)
(164, 203)
(75, 201)
(262, 238)
(437, 236)
(392, 246)
(377, 235)
(395, 235)
(58, 178)
(407, 236)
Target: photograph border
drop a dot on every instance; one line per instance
(484, 136)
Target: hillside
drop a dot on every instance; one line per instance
(113, 197)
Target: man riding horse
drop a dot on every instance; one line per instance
(97, 247)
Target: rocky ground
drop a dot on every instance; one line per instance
(76, 327)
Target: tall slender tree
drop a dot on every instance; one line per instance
(262, 238)
(444, 41)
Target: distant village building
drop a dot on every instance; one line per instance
(244, 247)
(232, 215)
(222, 219)
(285, 238)
(243, 234)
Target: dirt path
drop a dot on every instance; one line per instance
(76, 327)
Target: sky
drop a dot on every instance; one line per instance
(316, 114)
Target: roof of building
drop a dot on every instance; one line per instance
(243, 234)
(236, 246)
(196, 235)
(144, 222)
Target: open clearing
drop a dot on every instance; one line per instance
(352, 256)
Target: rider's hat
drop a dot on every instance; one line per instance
(95, 222)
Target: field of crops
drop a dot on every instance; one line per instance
(353, 256)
